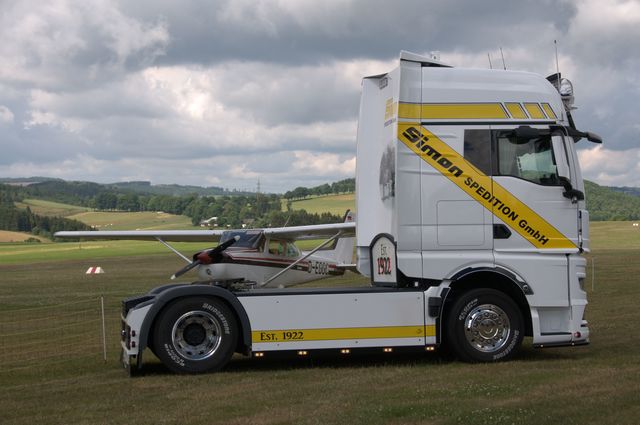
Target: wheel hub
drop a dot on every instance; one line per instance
(196, 335)
(487, 328)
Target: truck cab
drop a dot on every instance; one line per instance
(479, 189)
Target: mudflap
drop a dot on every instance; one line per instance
(131, 363)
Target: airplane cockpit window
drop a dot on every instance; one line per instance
(292, 250)
(277, 247)
(283, 248)
(248, 239)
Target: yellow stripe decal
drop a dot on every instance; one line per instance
(549, 111)
(439, 111)
(329, 334)
(535, 111)
(473, 111)
(516, 111)
(463, 111)
(491, 195)
(409, 110)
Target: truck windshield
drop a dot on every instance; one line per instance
(530, 159)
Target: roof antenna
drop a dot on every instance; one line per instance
(555, 44)
(504, 66)
(489, 56)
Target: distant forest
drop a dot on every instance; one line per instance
(23, 220)
(612, 204)
(342, 186)
(229, 209)
(255, 210)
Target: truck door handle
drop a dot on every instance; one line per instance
(500, 231)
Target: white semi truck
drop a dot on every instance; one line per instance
(471, 224)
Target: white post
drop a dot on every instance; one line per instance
(104, 332)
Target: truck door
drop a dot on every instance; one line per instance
(530, 202)
(528, 193)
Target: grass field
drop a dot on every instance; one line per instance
(114, 220)
(8, 236)
(147, 220)
(20, 253)
(335, 204)
(49, 208)
(50, 377)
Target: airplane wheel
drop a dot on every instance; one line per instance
(484, 325)
(195, 335)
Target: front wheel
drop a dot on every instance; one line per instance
(484, 325)
(195, 335)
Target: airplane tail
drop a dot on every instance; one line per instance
(342, 251)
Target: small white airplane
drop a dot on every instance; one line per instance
(255, 257)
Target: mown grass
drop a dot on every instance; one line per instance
(615, 235)
(147, 220)
(9, 236)
(335, 204)
(597, 384)
(50, 208)
(20, 253)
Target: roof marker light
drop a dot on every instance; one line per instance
(566, 93)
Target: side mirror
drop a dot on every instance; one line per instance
(524, 133)
(577, 135)
(593, 137)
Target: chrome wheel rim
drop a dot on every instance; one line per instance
(196, 335)
(487, 328)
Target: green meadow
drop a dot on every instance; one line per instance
(53, 371)
(50, 208)
(335, 204)
(146, 220)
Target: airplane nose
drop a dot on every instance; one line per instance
(204, 257)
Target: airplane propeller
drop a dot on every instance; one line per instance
(206, 257)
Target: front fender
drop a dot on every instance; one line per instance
(166, 294)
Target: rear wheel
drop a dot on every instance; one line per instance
(195, 335)
(484, 325)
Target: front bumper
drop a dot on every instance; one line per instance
(134, 312)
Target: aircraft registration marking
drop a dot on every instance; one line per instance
(318, 267)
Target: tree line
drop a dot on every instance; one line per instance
(24, 220)
(605, 204)
(342, 186)
(254, 210)
(257, 210)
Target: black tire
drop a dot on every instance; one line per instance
(484, 325)
(195, 335)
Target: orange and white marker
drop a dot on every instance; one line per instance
(95, 270)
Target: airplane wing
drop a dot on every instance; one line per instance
(147, 235)
(314, 231)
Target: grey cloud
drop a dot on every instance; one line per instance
(68, 45)
(306, 32)
(276, 95)
(110, 82)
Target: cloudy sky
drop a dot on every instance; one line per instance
(227, 93)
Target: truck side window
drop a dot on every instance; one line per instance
(530, 159)
(477, 149)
